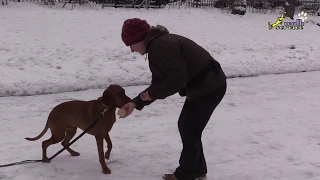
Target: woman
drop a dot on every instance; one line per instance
(178, 65)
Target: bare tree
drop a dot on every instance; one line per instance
(289, 8)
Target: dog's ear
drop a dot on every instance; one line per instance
(108, 98)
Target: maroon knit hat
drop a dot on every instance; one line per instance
(134, 30)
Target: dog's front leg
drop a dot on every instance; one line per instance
(104, 167)
(109, 145)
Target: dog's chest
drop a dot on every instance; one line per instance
(108, 122)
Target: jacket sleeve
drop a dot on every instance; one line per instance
(169, 59)
(139, 102)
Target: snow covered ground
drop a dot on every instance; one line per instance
(266, 128)
(50, 50)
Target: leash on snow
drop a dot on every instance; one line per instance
(84, 132)
(313, 22)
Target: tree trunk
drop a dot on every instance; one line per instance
(290, 8)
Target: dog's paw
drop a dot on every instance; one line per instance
(45, 160)
(106, 170)
(107, 155)
(75, 154)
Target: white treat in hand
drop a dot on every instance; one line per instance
(122, 113)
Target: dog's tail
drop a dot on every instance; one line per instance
(40, 135)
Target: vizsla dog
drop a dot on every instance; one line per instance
(66, 117)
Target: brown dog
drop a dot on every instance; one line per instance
(64, 119)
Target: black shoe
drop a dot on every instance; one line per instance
(201, 177)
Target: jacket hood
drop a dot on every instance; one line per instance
(154, 32)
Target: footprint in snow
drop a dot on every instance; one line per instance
(2, 176)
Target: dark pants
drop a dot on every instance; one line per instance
(192, 121)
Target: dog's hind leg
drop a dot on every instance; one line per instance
(70, 132)
(109, 145)
(103, 164)
(58, 135)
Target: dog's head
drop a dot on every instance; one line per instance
(115, 95)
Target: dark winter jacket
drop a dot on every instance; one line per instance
(179, 65)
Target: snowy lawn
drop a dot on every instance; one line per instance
(50, 50)
(266, 128)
